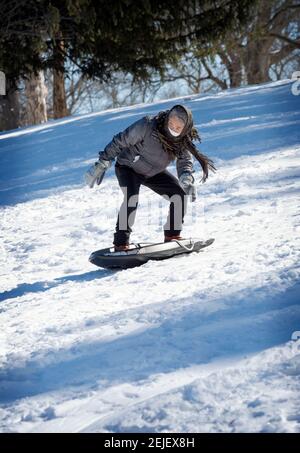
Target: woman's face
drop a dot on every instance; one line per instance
(176, 124)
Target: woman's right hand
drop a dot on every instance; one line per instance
(96, 172)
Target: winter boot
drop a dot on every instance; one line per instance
(121, 248)
(173, 238)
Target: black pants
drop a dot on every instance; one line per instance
(164, 184)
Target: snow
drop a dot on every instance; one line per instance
(200, 343)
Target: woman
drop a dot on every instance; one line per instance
(143, 151)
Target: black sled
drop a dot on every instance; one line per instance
(140, 253)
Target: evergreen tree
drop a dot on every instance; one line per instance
(100, 37)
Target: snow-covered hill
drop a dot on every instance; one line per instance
(202, 342)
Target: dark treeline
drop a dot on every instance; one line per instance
(56, 54)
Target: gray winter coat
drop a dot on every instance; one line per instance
(138, 148)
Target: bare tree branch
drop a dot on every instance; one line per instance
(221, 83)
(293, 44)
(286, 7)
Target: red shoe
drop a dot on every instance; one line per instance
(173, 238)
(121, 248)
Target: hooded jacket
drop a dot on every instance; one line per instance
(139, 148)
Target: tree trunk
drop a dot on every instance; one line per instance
(10, 107)
(257, 63)
(257, 52)
(36, 93)
(235, 70)
(232, 60)
(59, 93)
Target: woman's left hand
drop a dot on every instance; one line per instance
(187, 182)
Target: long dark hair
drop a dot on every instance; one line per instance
(175, 147)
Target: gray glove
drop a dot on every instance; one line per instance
(95, 174)
(187, 181)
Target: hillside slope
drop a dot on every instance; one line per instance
(201, 342)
